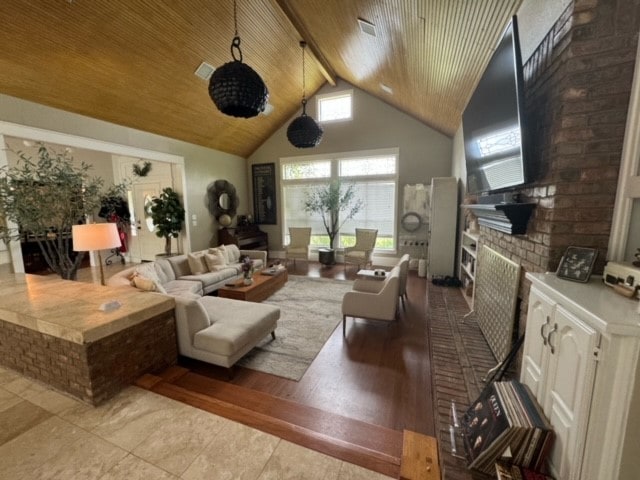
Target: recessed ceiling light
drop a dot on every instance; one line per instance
(367, 27)
(204, 71)
(386, 88)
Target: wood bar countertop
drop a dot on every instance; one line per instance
(70, 310)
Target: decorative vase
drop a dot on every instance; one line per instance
(248, 280)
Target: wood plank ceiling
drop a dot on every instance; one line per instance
(132, 62)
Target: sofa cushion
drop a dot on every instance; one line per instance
(233, 253)
(180, 265)
(214, 258)
(197, 263)
(164, 270)
(181, 287)
(147, 270)
(235, 324)
(210, 278)
(191, 316)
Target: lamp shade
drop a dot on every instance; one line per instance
(95, 236)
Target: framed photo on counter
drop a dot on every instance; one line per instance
(577, 264)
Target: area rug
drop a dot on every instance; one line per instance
(310, 309)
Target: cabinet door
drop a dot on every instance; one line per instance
(569, 385)
(536, 353)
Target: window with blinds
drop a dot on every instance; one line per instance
(374, 175)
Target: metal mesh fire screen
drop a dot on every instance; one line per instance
(495, 300)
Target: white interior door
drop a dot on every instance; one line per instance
(143, 242)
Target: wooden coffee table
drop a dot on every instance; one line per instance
(263, 287)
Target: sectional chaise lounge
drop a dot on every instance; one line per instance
(211, 329)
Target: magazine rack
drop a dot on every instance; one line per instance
(456, 429)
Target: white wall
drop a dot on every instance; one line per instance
(202, 165)
(424, 152)
(535, 19)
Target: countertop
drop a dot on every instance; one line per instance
(70, 310)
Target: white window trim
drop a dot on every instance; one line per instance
(323, 96)
(335, 159)
(628, 178)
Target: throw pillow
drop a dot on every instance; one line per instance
(146, 284)
(233, 252)
(197, 263)
(225, 252)
(214, 258)
(148, 270)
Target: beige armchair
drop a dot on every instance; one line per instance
(372, 299)
(404, 274)
(298, 247)
(360, 253)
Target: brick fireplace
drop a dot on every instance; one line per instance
(577, 90)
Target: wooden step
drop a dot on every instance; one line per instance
(370, 446)
(419, 457)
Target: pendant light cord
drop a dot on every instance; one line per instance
(235, 17)
(304, 85)
(235, 44)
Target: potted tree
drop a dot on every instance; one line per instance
(167, 215)
(335, 203)
(46, 197)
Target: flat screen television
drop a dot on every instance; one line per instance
(492, 122)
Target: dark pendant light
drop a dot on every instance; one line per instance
(304, 132)
(236, 88)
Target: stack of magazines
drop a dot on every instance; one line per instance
(506, 422)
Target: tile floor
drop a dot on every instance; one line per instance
(141, 435)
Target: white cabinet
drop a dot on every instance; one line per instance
(579, 339)
(467, 269)
(443, 214)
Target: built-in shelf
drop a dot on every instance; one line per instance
(467, 267)
(511, 218)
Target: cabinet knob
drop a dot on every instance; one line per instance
(545, 324)
(553, 330)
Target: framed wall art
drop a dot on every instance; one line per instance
(264, 193)
(577, 264)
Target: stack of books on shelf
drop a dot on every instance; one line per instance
(506, 422)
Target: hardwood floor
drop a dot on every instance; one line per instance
(379, 373)
(354, 401)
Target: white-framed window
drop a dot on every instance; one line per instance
(374, 175)
(334, 107)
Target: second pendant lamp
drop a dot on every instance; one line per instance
(304, 132)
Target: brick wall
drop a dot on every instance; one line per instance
(577, 90)
(96, 371)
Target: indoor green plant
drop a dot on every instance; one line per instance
(45, 198)
(335, 203)
(167, 215)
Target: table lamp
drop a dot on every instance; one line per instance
(95, 237)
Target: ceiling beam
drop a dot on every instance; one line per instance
(325, 68)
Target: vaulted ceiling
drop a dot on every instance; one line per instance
(132, 62)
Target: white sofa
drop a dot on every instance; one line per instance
(215, 330)
(220, 330)
(175, 276)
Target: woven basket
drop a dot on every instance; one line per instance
(237, 90)
(304, 132)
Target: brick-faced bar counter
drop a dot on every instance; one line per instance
(52, 330)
